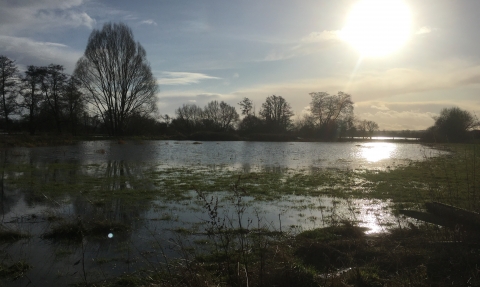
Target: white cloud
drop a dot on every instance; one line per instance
(182, 78)
(149, 22)
(400, 120)
(41, 15)
(381, 107)
(424, 91)
(29, 51)
(313, 43)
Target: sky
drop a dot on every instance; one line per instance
(207, 50)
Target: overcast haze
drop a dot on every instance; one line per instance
(226, 50)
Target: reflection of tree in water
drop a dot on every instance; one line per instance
(4, 205)
(118, 176)
(63, 183)
(10, 195)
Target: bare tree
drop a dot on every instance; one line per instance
(74, 104)
(371, 127)
(362, 128)
(189, 116)
(326, 109)
(228, 116)
(8, 84)
(31, 94)
(277, 113)
(116, 76)
(53, 82)
(348, 126)
(246, 106)
(221, 115)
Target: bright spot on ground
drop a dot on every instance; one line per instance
(110, 235)
(378, 27)
(374, 152)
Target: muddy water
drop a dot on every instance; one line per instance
(157, 225)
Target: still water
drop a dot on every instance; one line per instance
(235, 154)
(157, 224)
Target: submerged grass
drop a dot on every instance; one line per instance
(452, 178)
(340, 255)
(231, 254)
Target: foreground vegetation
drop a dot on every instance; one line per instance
(223, 251)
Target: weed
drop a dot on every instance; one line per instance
(14, 271)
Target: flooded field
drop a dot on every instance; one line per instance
(96, 210)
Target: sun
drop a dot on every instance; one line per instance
(377, 28)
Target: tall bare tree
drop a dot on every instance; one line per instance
(326, 109)
(8, 85)
(277, 113)
(362, 128)
(74, 104)
(116, 76)
(53, 83)
(31, 94)
(189, 117)
(221, 115)
(246, 106)
(371, 127)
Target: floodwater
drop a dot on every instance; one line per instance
(157, 226)
(238, 154)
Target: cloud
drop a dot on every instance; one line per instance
(32, 16)
(149, 22)
(318, 37)
(26, 50)
(424, 30)
(403, 98)
(381, 107)
(400, 120)
(182, 78)
(313, 43)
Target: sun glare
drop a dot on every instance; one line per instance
(378, 27)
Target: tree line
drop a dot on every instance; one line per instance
(112, 91)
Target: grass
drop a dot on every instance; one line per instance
(13, 271)
(335, 256)
(230, 255)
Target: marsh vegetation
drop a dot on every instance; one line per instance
(234, 214)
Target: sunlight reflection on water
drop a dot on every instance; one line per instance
(374, 152)
(115, 167)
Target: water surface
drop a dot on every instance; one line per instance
(157, 223)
